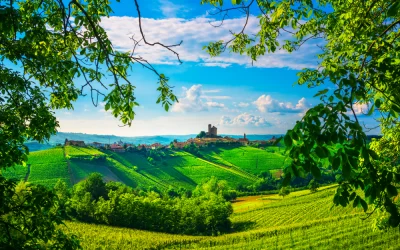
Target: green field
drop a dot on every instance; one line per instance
(17, 172)
(48, 166)
(249, 159)
(302, 220)
(181, 169)
(177, 169)
(81, 152)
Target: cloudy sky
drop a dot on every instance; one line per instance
(227, 91)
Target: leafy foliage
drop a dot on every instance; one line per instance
(29, 218)
(92, 200)
(359, 57)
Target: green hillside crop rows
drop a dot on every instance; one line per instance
(249, 159)
(82, 153)
(48, 166)
(17, 172)
(177, 169)
(302, 221)
(182, 169)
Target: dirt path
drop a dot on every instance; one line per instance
(71, 176)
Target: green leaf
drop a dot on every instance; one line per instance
(391, 190)
(309, 13)
(364, 204)
(352, 196)
(321, 152)
(393, 10)
(346, 170)
(336, 163)
(316, 172)
(288, 140)
(321, 92)
(378, 103)
(356, 201)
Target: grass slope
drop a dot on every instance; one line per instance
(299, 221)
(48, 166)
(181, 169)
(177, 169)
(17, 172)
(249, 159)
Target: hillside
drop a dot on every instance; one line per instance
(302, 220)
(238, 166)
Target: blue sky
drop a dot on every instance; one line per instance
(226, 91)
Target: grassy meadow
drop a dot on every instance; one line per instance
(302, 220)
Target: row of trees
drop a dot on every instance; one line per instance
(205, 212)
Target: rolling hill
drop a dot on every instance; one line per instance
(236, 165)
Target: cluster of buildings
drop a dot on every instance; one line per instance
(211, 139)
(116, 146)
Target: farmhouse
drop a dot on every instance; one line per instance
(97, 144)
(74, 143)
(156, 145)
(117, 148)
(180, 144)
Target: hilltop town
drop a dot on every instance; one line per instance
(203, 139)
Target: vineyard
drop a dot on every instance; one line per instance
(176, 169)
(48, 166)
(303, 220)
(18, 172)
(249, 159)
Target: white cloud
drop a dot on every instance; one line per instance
(193, 100)
(216, 97)
(195, 33)
(360, 108)
(244, 119)
(243, 104)
(170, 9)
(222, 65)
(215, 104)
(266, 103)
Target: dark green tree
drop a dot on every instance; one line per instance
(202, 134)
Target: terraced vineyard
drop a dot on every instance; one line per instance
(81, 152)
(249, 159)
(182, 169)
(302, 221)
(178, 169)
(18, 172)
(48, 166)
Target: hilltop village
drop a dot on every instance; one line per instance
(203, 139)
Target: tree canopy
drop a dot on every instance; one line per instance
(358, 64)
(45, 47)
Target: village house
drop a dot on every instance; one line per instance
(180, 145)
(74, 143)
(156, 145)
(97, 145)
(117, 148)
(198, 142)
